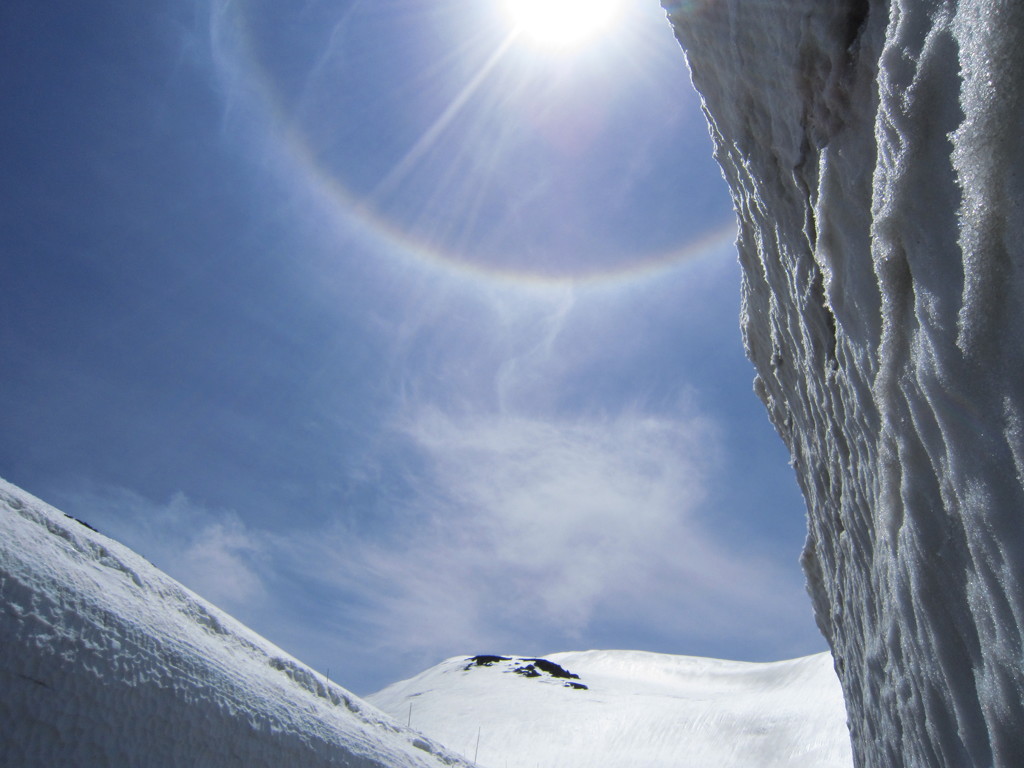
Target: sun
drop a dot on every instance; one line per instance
(561, 23)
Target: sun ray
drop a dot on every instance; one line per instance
(430, 136)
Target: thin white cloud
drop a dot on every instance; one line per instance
(562, 514)
(523, 530)
(531, 364)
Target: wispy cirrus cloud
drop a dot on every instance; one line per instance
(561, 518)
(526, 531)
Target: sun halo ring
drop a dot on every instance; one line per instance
(351, 213)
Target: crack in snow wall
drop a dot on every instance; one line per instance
(873, 151)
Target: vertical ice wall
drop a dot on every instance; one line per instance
(875, 155)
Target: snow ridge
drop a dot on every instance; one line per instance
(874, 156)
(109, 662)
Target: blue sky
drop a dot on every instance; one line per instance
(395, 333)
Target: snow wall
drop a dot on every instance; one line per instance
(875, 155)
(106, 662)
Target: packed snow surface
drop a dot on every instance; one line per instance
(616, 709)
(107, 661)
(873, 149)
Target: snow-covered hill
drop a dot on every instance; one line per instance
(109, 662)
(617, 709)
(106, 661)
(874, 152)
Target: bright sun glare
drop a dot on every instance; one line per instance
(561, 23)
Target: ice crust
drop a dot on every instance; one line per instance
(638, 710)
(875, 159)
(106, 661)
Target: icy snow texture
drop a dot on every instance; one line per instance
(875, 157)
(106, 661)
(640, 710)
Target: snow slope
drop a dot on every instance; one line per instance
(106, 661)
(638, 709)
(873, 149)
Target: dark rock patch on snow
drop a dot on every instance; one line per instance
(530, 669)
(80, 522)
(526, 667)
(485, 660)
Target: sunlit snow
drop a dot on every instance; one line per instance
(874, 154)
(622, 709)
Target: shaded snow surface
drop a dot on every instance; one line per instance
(638, 709)
(107, 661)
(875, 158)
